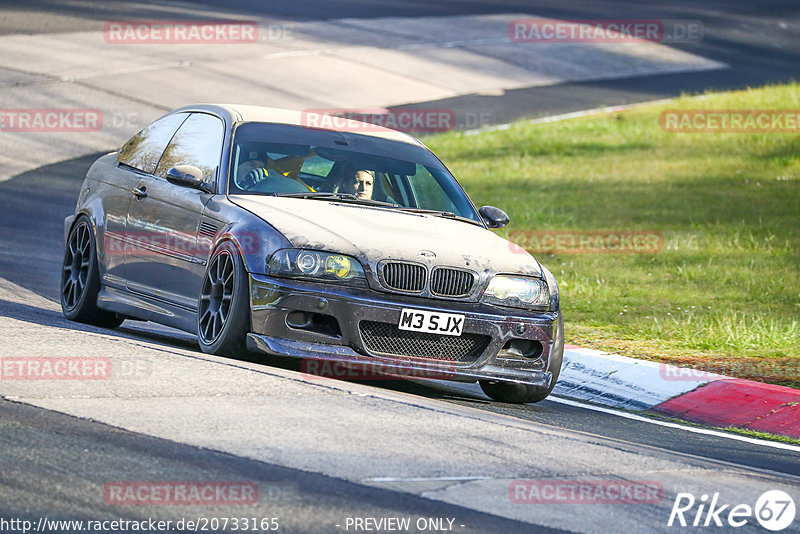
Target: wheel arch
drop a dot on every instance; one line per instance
(255, 240)
(93, 210)
(228, 326)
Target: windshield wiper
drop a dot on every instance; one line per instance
(351, 198)
(308, 194)
(443, 214)
(338, 197)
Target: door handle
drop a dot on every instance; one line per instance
(139, 191)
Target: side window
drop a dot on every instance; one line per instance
(428, 192)
(198, 143)
(143, 150)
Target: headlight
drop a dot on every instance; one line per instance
(316, 265)
(517, 292)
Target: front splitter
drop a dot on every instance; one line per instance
(377, 366)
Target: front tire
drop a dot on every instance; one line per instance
(80, 279)
(521, 393)
(223, 314)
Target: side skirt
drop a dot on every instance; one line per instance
(147, 309)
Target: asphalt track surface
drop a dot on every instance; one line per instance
(45, 457)
(759, 40)
(45, 464)
(35, 482)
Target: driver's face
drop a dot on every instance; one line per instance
(361, 185)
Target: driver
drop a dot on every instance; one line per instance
(361, 184)
(249, 173)
(254, 171)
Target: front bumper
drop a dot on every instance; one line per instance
(276, 302)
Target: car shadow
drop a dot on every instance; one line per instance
(53, 318)
(439, 391)
(170, 338)
(33, 206)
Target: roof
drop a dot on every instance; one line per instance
(322, 118)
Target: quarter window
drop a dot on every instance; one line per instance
(198, 142)
(143, 150)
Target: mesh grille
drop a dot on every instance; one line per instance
(404, 276)
(386, 338)
(451, 282)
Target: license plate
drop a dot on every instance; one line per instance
(447, 324)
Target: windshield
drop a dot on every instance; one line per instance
(271, 159)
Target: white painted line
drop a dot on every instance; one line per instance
(595, 111)
(707, 432)
(578, 114)
(426, 479)
(125, 70)
(292, 53)
(453, 44)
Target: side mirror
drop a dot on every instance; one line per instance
(493, 217)
(186, 176)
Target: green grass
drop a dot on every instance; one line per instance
(732, 429)
(724, 293)
(762, 435)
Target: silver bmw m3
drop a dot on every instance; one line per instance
(354, 245)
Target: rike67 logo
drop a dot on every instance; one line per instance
(774, 510)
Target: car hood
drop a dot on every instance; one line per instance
(372, 234)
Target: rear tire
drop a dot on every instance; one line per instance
(80, 279)
(223, 313)
(521, 393)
